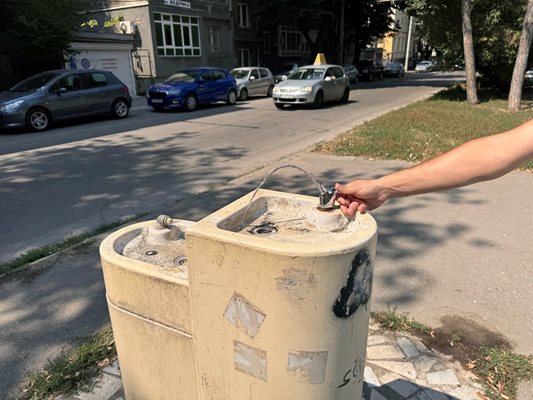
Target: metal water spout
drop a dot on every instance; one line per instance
(326, 196)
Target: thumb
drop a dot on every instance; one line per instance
(339, 187)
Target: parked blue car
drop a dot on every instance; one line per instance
(191, 87)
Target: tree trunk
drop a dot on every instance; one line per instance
(468, 44)
(515, 93)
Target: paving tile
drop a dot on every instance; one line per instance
(113, 369)
(390, 377)
(436, 395)
(371, 378)
(408, 347)
(421, 347)
(405, 368)
(376, 339)
(385, 352)
(465, 393)
(106, 387)
(375, 395)
(424, 363)
(446, 377)
(403, 387)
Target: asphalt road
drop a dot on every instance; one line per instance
(82, 175)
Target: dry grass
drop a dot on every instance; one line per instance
(426, 128)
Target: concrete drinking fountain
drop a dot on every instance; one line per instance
(274, 305)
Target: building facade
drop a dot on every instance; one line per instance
(394, 44)
(172, 34)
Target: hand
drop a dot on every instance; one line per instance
(360, 195)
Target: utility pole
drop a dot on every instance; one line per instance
(407, 51)
(341, 58)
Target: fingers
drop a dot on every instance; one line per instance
(349, 203)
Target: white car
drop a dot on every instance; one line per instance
(312, 85)
(424, 66)
(253, 81)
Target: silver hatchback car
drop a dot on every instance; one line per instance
(313, 85)
(62, 94)
(253, 81)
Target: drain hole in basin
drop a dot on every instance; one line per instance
(180, 261)
(264, 229)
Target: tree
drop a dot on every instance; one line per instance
(468, 45)
(515, 93)
(496, 27)
(36, 34)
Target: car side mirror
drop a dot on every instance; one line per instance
(252, 78)
(61, 90)
(327, 79)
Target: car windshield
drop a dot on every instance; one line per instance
(240, 73)
(34, 83)
(307, 73)
(183, 76)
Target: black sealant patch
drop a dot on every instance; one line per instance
(358, 286)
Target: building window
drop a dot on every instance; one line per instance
(244, 57)
(291, 42)
(242, 15)
(177, 35)
(214, 39)
(267, 42)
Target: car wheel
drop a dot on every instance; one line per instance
(157, 108)
(279, 106)
(191, 102)
(319, 99)
(345, 96)
(380, 77)
(232, 97)
(120, 109)
(356, 80)
(243, 96)
(270, 89)
(38, 119)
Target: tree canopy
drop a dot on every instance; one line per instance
(34, 34)
(496, 27)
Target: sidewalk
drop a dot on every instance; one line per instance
(398, 367)
(460, 259)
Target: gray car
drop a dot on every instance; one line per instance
(394, 69)
(63, 94)
(253, 81)
(312, 85)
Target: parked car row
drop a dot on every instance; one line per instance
(52, 96)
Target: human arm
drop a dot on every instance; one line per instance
(477, 160)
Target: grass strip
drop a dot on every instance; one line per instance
(500, 370)
(74, 371)
(393, 321)
(429, 127)
(44, 251)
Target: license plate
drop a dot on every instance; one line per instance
(157, 100)
(286, 96)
